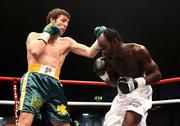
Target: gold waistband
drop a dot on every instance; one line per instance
(44, 70)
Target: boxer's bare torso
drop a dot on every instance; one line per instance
(55, 51)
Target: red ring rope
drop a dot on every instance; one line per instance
(14, 81)
(163, 81)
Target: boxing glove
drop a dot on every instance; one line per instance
(100, 68)
(127, 84)
(99, 30)
(50, 30)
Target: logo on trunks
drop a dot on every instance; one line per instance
(135, 104)
(48, 70)
(62, 110)
(36, 102)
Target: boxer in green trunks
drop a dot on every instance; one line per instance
(40, 87)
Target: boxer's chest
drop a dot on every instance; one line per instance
(125, 66)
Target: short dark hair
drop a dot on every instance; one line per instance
(112, 34)
(55, 13)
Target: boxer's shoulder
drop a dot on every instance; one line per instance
(33, 34)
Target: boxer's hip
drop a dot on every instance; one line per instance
(44, 69)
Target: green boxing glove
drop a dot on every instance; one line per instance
(99, 30)
(50, 30)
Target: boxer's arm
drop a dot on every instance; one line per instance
(128, 84)
(151, 69)
(36, 42)
(35, 46)
(84, 50)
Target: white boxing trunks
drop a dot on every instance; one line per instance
(139, 101)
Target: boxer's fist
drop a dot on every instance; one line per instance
(127, 84)
(100, 68)
(52, 29)
(99, 30)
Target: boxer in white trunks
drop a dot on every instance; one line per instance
(130, 68)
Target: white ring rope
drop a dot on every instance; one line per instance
(76, 103)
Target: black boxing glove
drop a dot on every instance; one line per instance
(100, 68)
(127, 84)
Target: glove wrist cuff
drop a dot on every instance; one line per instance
(105, 77)
(44, 36)
(140, 81)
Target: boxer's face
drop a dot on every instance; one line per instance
(62, 22)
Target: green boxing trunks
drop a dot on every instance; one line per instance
(40, 91)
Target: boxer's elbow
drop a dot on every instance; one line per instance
(35, 52)
(35, 48)
(157, 76)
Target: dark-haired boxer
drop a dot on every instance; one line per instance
(40, 86)
(130, 68)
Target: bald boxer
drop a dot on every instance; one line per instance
(130, 68)
(40, 86)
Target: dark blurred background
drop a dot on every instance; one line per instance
(153, 23)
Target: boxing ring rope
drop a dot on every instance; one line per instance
(15, 81)
(76, 82)
(74, 103)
